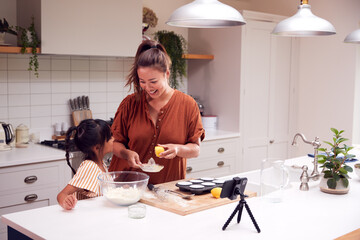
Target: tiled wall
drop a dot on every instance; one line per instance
(41, 102)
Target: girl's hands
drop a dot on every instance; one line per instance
(69, 202)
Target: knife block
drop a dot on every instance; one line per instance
(80, 115)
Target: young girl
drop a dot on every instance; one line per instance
(93, 138)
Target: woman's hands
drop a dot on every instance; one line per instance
(189, 150)
(132, 158)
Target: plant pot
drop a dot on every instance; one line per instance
(340, 188)
(2, 38)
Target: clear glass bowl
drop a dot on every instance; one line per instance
(123, 187)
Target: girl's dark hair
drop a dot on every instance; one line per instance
(150, 53)
(89, 133)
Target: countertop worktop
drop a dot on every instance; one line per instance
(219, 134)
(34, 153)
(301, 215)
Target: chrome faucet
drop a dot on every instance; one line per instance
(315, 173)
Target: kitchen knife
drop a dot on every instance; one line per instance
(79, 103)
(72, 107)
(75, 104)
(83, 101)
(87, 100)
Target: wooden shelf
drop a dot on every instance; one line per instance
(198, 56)
(11, 49)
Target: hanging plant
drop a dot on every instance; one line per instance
(29, 39)
(175, 46)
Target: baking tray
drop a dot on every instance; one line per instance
(202, 185)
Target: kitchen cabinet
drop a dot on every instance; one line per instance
(82, 27)
(217, 158)
(31, 186)
(250, 85)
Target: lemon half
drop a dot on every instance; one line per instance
(216, 192)
(158, 150)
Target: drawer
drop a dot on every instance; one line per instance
(29, 197)
(16, 203)
(215, 172)
(213, 164)
(218, 148)
(18, 178)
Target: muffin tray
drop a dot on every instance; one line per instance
(200, 185)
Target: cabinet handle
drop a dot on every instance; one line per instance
(30, 179)
(220, 163)
(221, 150)
(272, 141)
(30, 197)
(188, 169)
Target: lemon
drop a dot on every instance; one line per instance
(158, 150)
(216, 192)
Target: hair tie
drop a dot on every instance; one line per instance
(80, 131)
(154, 46)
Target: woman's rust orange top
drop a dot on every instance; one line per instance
(179, 122)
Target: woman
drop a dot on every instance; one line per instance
(155, 115)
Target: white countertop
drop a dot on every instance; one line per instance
(34, 153)
(212, 134)
(302, 215)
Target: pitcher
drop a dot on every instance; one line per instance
(274, 177)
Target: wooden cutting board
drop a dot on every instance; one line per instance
(184, 207)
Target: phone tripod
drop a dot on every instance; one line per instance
(239, 209)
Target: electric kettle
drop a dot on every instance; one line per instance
(9, 132)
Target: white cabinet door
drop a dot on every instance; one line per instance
(265, 94)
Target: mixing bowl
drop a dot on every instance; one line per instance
(123, 187)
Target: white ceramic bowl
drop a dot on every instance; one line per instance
(123, 187)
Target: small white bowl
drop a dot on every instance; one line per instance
(218, 181)
(184, 183)
(196, 181)
(207, 179)
(197, 186)
(208, 184)
(357, 169)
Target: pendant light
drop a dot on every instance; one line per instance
(353, 37)
(206, 14)
(304, 24)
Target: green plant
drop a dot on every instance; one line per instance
(6, 28)
(333, 161)
(175, 46)
(29, 39)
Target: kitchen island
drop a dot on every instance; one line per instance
(301, 215)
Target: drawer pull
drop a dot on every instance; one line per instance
(30, 197)
(221, 150)
(30, 179)
(188, 169)
(220, 163)
(272, 141)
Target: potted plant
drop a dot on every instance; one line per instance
(175, 46)
(29, 39)
(335, 171)
(5, 28)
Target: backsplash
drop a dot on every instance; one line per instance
(42, 102)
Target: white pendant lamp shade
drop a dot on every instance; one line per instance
(353, 37)
(304, 24)
(206, 14)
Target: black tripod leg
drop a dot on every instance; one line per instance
(252, 218)
(240, 211)
(231, 217)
